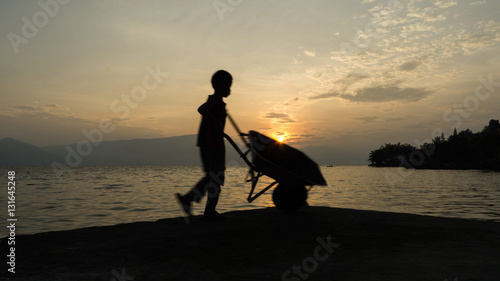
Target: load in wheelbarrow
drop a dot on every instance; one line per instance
(290, 169)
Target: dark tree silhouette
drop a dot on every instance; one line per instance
(464, 150)
(390, 155)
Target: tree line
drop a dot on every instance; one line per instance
(464, 150)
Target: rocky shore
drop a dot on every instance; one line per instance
(318, 243)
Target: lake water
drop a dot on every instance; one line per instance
(97, 196)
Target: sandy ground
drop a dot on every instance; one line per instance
(317, 243)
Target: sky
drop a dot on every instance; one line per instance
(349, 75)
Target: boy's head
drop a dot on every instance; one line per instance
(221, 82)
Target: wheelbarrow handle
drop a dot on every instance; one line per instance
(242, 155)
(242, 135)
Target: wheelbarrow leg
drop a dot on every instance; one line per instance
(254, 179)
(251, 199)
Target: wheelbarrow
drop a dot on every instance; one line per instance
(290, 169)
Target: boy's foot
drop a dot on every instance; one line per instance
(185, 204)
(213, 216)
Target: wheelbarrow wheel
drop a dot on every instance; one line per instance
(290, 197)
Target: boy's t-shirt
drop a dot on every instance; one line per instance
(211, 132)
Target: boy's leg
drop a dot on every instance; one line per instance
(185, 203)
(213, 191)
(198, 191)
(217, 177)
(195, 194)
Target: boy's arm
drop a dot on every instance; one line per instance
(207, 111)
(203, 109)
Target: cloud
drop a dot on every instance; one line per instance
(404, 52)
(431, 18)
(54, 124)
(299, 139)
(351, 79)
(421, 46)
(399, 118)
(54, 109)
(28, 108)
(294, 103)
(57, 106)
(430, 14)
(310, 53)
(367, 119)
(386, 94)
(477, 3)
(324, 96)
(380, 94)
(445, 3)
(280, 117)
(469, 42)
(407, 66)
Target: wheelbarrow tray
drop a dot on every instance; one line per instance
(282, 162)
(291, 169)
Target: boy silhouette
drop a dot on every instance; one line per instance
(212, 149)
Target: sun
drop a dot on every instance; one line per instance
(281, 138)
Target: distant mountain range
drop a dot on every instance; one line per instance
(180, 150)
(17, 153)
(161, 151)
